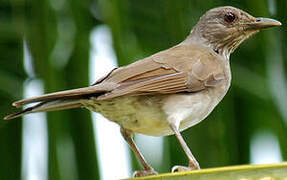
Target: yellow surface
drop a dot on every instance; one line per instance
(244, 172)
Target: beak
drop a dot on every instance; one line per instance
(262, 23)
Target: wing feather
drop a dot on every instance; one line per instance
(171, 83)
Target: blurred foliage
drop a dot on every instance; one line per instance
(57, 34)
(12, 76)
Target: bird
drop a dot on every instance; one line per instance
(169, 91)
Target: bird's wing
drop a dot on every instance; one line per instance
(178, 69)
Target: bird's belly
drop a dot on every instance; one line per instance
(140, 114)
(148, 114)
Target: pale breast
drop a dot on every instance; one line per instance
(186, 110)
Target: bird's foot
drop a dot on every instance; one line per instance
(144, 173)
(191, 167)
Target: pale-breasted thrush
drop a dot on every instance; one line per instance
(169, 91)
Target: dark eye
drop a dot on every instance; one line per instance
(229, 17)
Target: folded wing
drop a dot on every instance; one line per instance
(179, 69)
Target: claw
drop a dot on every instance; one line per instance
(144, 173)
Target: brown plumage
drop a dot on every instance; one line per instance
(169, 91)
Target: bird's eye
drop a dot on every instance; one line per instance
(229, 17)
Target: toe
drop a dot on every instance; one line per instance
(180, 168)
(144, 173)
(194, 166)
(184, 168)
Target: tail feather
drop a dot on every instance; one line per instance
(53, 105)
(57, 101)
(74, 93)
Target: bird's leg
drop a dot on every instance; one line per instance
(193, 164)
(148, 170)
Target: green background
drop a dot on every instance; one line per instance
(256, 101)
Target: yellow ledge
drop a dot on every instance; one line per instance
(243, 172)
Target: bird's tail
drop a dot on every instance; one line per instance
(53, 105)
(56, 101)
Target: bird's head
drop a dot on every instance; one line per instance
(224, 28)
